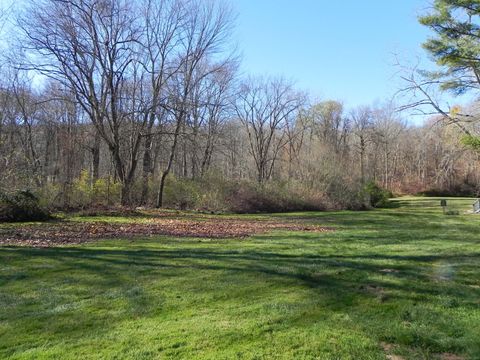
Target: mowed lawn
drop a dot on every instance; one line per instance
(400, 283)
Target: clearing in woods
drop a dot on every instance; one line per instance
(400, 283)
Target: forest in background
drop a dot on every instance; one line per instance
(108, 102)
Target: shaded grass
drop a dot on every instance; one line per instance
(407, 276)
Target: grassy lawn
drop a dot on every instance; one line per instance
(400, 283)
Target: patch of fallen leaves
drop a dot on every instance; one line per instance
(65, 233)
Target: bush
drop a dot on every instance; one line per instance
(273, 197)
(458, 190)
(105, 192)
(181, 193)
(50, 196)
(22, 205)
(84, 194)
(378, 196)
(216, 194)
(345, 194)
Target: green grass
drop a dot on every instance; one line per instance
(407, 276)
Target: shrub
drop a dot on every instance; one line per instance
(50, 196)
(84, 194)
(344, 194)
(273, 197)
(22, 205)
(214, 193)
(463, 189)
(247, 198)
(81, 191)
(472, 142)
(105, 192)
(378, 196)
(181, 193)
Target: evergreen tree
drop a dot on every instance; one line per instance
(456, 44)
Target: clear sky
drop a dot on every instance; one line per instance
(340, 50)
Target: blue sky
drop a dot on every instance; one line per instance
(340, 50)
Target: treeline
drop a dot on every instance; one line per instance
(107, 102)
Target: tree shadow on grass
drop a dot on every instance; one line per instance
(341, 283)
(338, 273)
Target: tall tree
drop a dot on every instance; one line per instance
(164, 21)
(456, 50)
(204, 34)
(362, 120)
(330, 124)
(265, 107)
(89, 46)
(456, 45)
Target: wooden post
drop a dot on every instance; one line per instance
(443, 204)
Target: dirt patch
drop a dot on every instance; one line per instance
(373, 289)
(65, 233)
(378, 291)
(389, 271)
(449, 356)
(388, 348)
(395, 357)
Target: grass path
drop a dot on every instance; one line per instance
(400, 283)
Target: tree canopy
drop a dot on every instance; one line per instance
(456, 44)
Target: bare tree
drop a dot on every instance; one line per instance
(387, 129)
(89, 47)
(209, 106)
(204, 34)
(27, 115)
(422, 96)
(163, 22)
(330, 124)
(362, 121)
(265, 107)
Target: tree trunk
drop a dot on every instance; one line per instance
(170, 160)
(147, 168)
(161, 189)
(125, 193)
(96, 158)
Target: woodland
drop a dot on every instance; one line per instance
(141, 104)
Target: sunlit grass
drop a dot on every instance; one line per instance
(402, 281)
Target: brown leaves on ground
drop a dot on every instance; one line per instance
(65, 233)
(389, 348)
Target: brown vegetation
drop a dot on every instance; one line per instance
(68, 233)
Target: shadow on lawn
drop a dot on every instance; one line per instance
(342, 277)
(401, 226)
(348, 276)
(342, 283)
